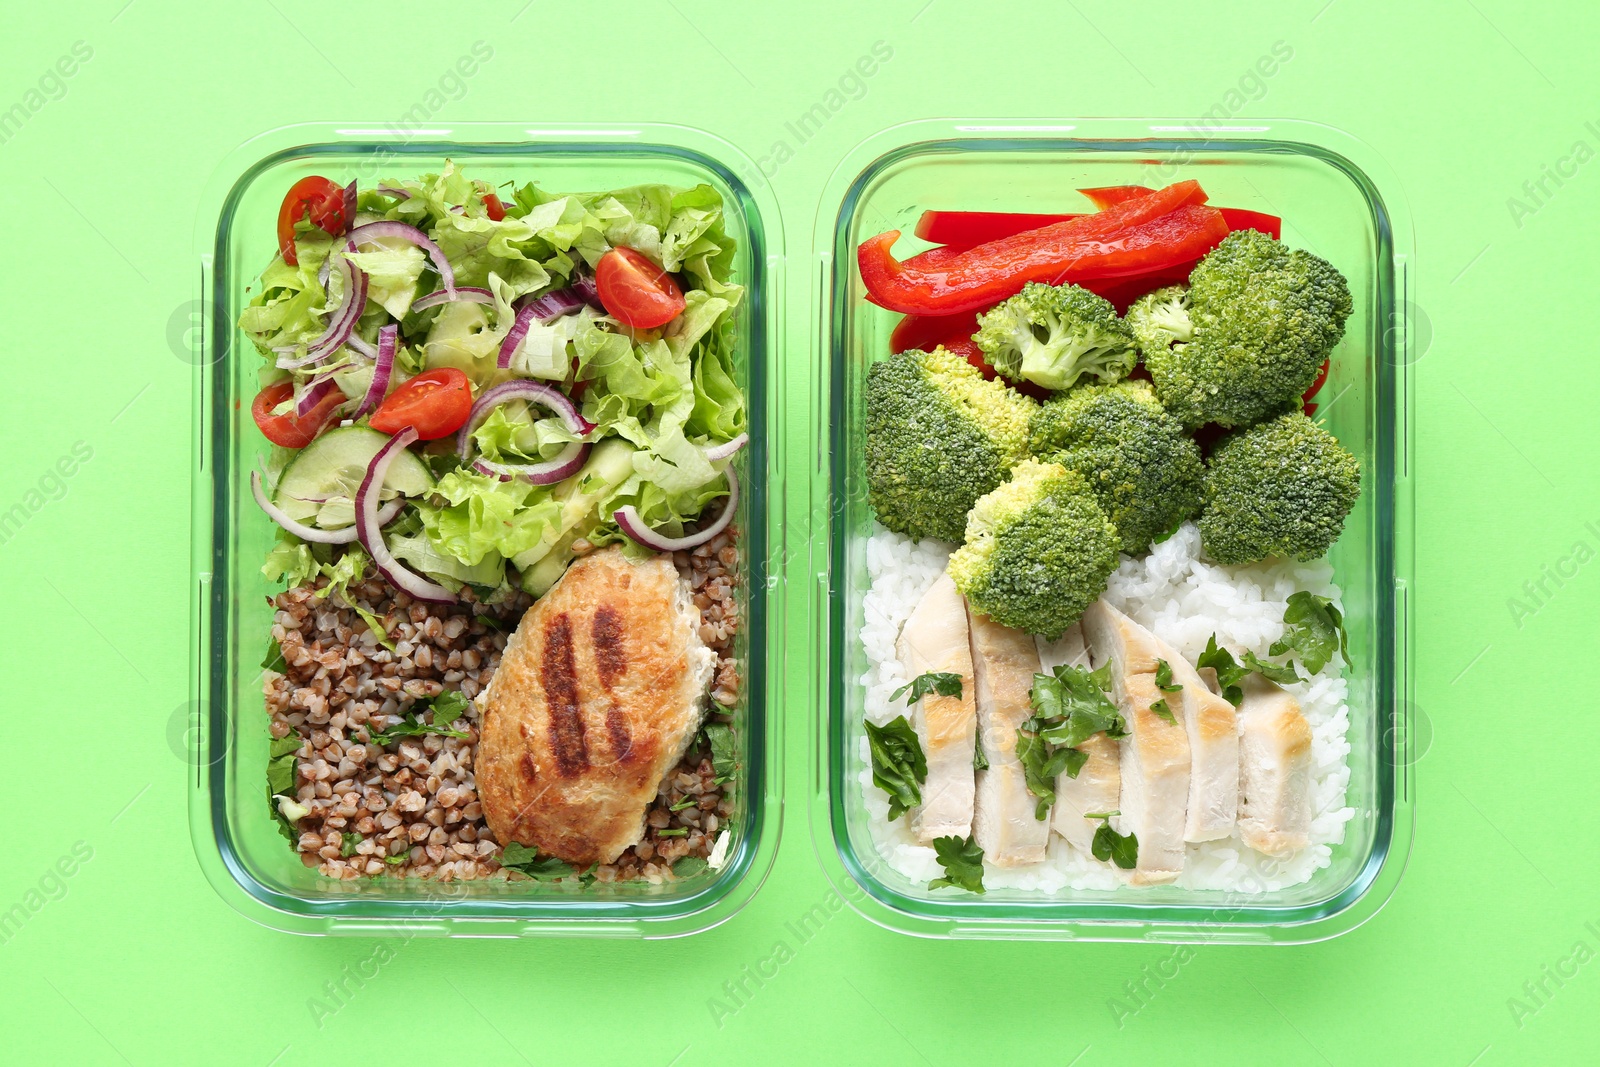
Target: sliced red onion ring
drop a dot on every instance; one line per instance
(313, 394)
(382, 372)
(341, 322)
(714, 453)
(585, 287)
(313, 533)
(556, 303)
(356, 344)
(466, 294)
(349, 204)
(406, 232)
(521, 389)
(544, 308)
(370, 530)
(628, 518)
(548, 472)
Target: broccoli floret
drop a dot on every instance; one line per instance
(1142, 467)
(1039, 550)
(1282, 488)
(1248, 337)
(938, 436)
(1052, 335)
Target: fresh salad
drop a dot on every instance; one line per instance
(470, 386)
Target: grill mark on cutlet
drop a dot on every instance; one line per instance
(559, 675)
(611, 661)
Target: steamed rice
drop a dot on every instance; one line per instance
(1183, 599)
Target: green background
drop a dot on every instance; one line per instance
(139, 961)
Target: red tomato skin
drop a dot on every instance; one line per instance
(437, 403)
(288, 430)
(635, 291)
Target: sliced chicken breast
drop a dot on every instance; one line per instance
(935, 639)
(1274, 769)
(1098, 786)
(1213, 731)
(1004, 662)
(599, 692)
(1155, 754)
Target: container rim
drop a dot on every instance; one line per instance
(438, 908)
(1224, 917)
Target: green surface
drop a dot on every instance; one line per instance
(133, 958)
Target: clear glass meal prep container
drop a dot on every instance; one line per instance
(1337, 199)
(239, 847)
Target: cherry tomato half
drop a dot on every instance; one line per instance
(635, 291)
(323, 200)
(437, 403)
(494, 207)
(288, 430)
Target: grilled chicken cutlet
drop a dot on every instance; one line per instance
(1155, 754)
(934, 639)
(1004, 825)
(1274, 770)
(598, 695)
(1098, 787)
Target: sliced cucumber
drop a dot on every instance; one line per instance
(320, 482)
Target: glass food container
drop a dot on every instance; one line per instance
(238, 846)
(1336, 198)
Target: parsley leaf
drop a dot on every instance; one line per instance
(281, 779)
(1101, 676)
(347, 844)
(898, 765)
(1315, 628)
(1164, 680)
(941, 682)
(395, 861)
(447, 707)
(724, 752)
(1069, 708)
(526, 858)
(273, 660)
(1121, 849)
(962, 862)
(1229, 673)
(980, 762)
(1283, 674)
(686, 802)
(1163, 711)
(688, 866)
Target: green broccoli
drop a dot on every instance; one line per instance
(1038, 552)
(1247, 336)
(1052, 335)
(1282, 488)
(1142, 467)
(938, 436)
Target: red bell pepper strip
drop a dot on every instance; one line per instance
(963, 229)
(1104, 196)
(925, 331)
(323, 200)
(1156, 230)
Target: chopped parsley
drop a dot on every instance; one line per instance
(1229, 673)
(676, 832)
(686, 802)
(724, 752)
(1314, 629)
(1163, 711)
(1121, 849)
(273, 660)
(1283, 674)
(280, 781)
(941, 682)
(526, 859)
(347, 844)
(688, 866)
(898, 766)
(1070, 706)
(447, 707)
(980, 762)
(1164, 680)
(962, 862)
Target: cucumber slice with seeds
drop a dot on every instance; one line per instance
(319, 484)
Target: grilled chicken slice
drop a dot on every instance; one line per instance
(1098, 787)
(935, 639)
(1213, 731)
(1155, 754)
(598, 695)
(1004, 662)
(1274, 769)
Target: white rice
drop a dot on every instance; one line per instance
(1184, 600)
